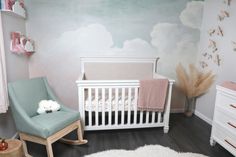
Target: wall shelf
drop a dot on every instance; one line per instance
(11, 13)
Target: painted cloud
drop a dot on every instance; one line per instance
(136, 47)
(166, 37)
(191, 16)
(175, 43)
(94, 39)
(89, 38)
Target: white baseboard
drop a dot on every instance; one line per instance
(203, 117)
(15, 136)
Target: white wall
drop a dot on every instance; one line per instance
(16, 66)
(226, 71)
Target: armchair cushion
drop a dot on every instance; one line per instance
(50, 123)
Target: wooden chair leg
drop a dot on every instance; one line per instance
(80, 134)
(49, 149)
(25, 148)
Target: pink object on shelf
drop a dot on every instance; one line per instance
(152, 95)
(21, 45)
(16, 45)
(22, 3)
(229, 84)
(9, 4)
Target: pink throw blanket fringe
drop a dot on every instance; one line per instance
(152, 95)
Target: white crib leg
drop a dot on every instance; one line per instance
(212, 142)
(167, 110)
(166, 129)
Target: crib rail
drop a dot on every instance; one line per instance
(112, 104)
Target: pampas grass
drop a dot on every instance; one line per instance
(194, 83)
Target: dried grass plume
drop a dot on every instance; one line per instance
(194, 83)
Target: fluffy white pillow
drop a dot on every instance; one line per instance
(48, 106)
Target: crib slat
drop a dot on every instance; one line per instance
(103, 106)
(141, 117)
(123, 106)
(135, 104)
(129, 104)
(110, 105)
(116, 106)
(90, 106)
(153, 117)
(147, 117)
(96, 102)
(159, 117)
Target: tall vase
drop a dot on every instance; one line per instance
(190, 106)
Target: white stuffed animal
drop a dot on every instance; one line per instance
(48, 106)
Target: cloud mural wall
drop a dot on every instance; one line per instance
(144, 30)
(191, 16)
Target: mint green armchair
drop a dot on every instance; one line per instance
(45, 128)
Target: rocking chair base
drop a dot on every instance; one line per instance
(73, 142)
(48, 141)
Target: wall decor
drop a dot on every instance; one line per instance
(227, 2)
(217, 60)
(223, 14)
(234, 45)
(16, 6)
(212, 45)
(207, 55)
(219, 31)
(8, 4)
(21, 44)
(211, 54)
(211, 32)
(203, 64)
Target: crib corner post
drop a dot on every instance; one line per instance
(167, 109)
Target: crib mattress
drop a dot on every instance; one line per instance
(119, 105)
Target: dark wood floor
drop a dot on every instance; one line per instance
(185, 135)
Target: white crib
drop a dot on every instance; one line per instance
(111, 103)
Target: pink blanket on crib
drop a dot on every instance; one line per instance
(152, 95)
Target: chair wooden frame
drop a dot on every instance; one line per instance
(53, 138)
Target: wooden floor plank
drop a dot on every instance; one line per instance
(185, 135)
